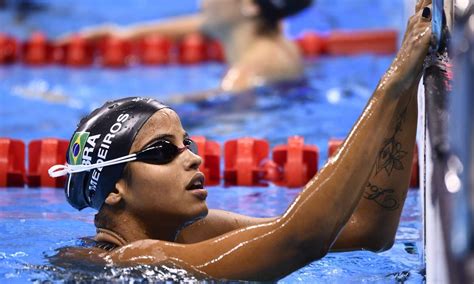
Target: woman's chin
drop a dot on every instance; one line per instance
(202, 213)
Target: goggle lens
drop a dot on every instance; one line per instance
(163, 152)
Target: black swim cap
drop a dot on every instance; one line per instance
(279, 9)
(107, 133)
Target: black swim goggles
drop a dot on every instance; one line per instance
(160, 152)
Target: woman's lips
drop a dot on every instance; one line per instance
(196, 186)
(197, 182)
(199, 193)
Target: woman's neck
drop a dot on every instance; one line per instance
(126, 229)
(239, 41)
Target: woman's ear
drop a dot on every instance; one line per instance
(116, 196)
(249, 9)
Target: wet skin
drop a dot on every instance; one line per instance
(254, 59)
(354, 202)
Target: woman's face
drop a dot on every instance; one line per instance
(164, 191)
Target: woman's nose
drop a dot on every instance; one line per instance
(193, 161)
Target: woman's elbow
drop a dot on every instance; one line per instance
(374, 238)
(380, 244)
(312, 250)
(387, 245)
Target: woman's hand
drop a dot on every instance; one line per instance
(406, 69)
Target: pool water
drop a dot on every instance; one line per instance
(49, 101)
(36, 222)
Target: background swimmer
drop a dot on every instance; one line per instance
(354, 202)
(256, 49)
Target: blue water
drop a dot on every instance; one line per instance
(48, 102)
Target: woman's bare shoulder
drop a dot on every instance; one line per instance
(149, 253)
(274, 60)
(84, 257)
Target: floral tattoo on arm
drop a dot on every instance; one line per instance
(389, 159)
(391, 155)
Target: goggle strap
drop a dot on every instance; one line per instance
(62, 170)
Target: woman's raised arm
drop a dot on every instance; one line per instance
(311, 224)
(174, 28)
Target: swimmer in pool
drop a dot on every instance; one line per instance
(132, 161)
(256, 49)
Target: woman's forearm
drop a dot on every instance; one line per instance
(329, 199)
(175, 28)
(374, 223)
(335, 192)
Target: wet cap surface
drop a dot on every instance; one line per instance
(107, 133)
(279, 9)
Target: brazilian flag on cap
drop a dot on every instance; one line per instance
(76, 148)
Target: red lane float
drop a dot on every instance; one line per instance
(37, 50)
(78, 52)
(357, 42)
(298, 161)
(58, 54)
(210, 152)
(43, 154)
(12, 163)
(215, 51)
(192, 49)
(333, 146)
(271, 171)
(8, 49)
(378, 42)
(115, 52)
(246, 162)
(154, 50)
(312, 44)
(243, 160)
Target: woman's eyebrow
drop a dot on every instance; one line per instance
(165, 136)
(159, 137)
